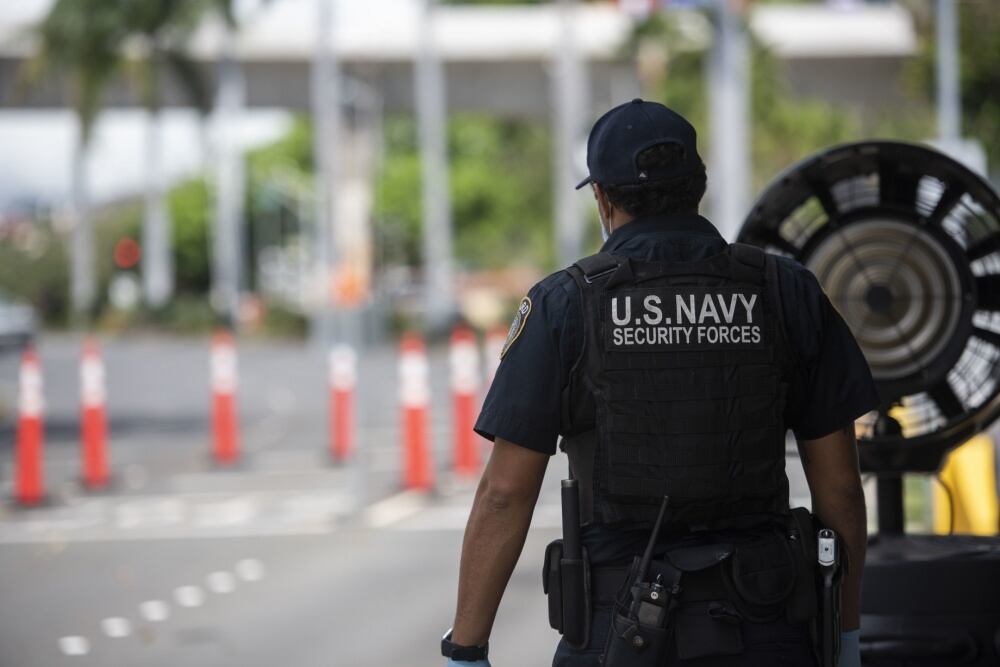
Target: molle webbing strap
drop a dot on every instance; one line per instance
(748, 267)
(686, 359)
(690, 450)
(681, 388)
(688, 489)
(692, 512)
(693, 424)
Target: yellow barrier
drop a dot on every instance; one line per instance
(970, 474)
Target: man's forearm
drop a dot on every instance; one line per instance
(494, 537)
(846, 516)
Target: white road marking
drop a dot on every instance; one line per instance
(232, 512)
(250, 569)
(116, 627)
(189, 596)
(314, 508)
(74, 645)
(395, 508)
(163, 511)
(455, 517)
(221, 582)
(154, 611)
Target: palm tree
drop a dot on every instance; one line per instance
(161, 31)
(80, 40)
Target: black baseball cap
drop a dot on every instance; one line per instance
(621, 134)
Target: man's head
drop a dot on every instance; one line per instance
(643, 160)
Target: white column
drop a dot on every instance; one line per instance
(729, 121)
(949, 97)
(83, 281)
(431, 104)
(326, 148)
(569, 105)
(230, 183)
(157, 255)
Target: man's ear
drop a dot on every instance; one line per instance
(603, 205)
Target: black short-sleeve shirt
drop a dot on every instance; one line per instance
(523, 405)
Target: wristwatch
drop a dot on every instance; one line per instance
(461, 653)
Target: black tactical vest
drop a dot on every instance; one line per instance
(680, 390)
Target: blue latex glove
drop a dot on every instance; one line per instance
(850, 649)
(477, 663)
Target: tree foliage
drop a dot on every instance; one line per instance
(784, 129)
(500, 176)
(979, 37)
(81, 39)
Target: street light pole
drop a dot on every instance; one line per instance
(326, 144)
(569, 104)
(83, 284)
(157, 255)
(949, 99)
(729, 120)
(230, 184)
(429, 92)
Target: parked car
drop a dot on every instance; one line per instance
(17, 325)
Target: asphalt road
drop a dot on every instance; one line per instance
(285, 559)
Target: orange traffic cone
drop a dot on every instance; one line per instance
(464, 357)
(414, 394)
(29, 486)
(93, 418)
(343, 380)
(225, 426)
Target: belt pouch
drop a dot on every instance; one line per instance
(762, 574)
(575, 584)
(552, 583)
(707, 628)
(631, 644)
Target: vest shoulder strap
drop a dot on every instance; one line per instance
(748, 254)
(597, 265)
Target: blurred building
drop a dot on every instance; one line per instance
(499, 57)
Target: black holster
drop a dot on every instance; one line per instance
(566, 582)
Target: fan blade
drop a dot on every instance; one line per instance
(947, 401)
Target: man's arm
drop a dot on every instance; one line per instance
(494, 537)
(831, 467)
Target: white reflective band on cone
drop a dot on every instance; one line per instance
(92, 385)
(343, 364)
(414, 372)
(464, 358)
(31, 402)
(223, 368)
(494, 348)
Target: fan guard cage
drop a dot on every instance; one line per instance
(906, 243)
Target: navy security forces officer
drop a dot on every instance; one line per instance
(583, 365)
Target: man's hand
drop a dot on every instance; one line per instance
(495, 536)
(831, 467)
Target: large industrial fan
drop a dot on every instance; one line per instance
(906, 243)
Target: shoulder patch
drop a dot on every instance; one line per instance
(517, 326)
